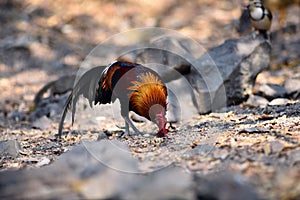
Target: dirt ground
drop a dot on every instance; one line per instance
(41, 41)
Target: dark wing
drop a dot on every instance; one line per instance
(269, 14)
(103, 91)
(109, 78)
(86, 86)
(95, 87)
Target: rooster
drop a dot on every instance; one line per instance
(139, 89)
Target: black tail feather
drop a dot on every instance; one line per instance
(63, 116)
(85, 86)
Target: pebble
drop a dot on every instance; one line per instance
(2, 122)
(146, 135)
(42, 123)
(16, 116)
(43, 162)
(271, 91)
(276, 146)
(254, 130)
(279, 101)
(292, 84)
(9, 148)
(101, 136)
(257, 101)
(222, 154)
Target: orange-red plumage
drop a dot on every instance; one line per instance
(139, 89)
(146, 93)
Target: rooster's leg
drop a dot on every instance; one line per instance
(127, 132)
(128, 123)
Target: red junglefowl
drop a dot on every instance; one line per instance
(139, 89)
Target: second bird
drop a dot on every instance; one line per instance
(261, 17)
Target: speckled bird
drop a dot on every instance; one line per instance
(261, 17)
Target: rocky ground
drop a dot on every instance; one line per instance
(256, 143)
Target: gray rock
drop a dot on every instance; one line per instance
(226, 74)
(293, 157)
(278, 102)
(256, 101)
(181, 101)
(2, 122)
(44, 161)
(9, 148)
(101, 136)
(272, 91)
(59, 86)
(223, 186)
(163, 184)
(292, 86)
(91, 170)
(222, 76)
(276, 146)
(106, 169)
(42, 123)
(254, 130)
(50, 107)
(16, 116)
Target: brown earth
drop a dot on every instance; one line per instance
(43, 40)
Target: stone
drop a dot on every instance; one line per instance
(9, 148)
(79, 173)
(276, 146)
(106, 170)
(221, 154)
(225, 186)
(103, 169)
(50, 107)
(163, 184)
(44, 161)
(272, 91)
(256, 101)
(2, 122)
(16, 116)
(254, 130)
(222, 76)
(227, 73)
(293, 156)
(278, 102)
(59, 86)
(42, 123)
(292, 86)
